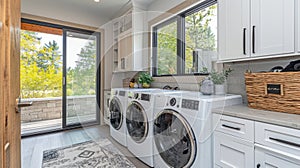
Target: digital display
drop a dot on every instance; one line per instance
(145, 97)
(122, 93)
(190, 104)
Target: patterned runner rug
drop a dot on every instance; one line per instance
(101, 154)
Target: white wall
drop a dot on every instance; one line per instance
(54, 10)
(159, 7)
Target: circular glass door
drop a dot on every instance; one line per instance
(136, 121)
(116, 117)
(174, 139)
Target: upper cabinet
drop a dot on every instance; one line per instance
(298, 24)
(234, 29)
(253, 28)
(128, 52)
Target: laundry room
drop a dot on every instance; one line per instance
(150, 83)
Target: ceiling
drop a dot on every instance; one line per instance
(80, 11)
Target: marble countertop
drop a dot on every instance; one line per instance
(242, 111)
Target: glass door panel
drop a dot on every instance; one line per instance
(81, 78)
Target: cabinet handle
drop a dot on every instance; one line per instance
(285, 142)
(244, 41)
(253, 39)
(230, 127)
(258, 166)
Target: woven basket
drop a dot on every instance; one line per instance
(274, 91)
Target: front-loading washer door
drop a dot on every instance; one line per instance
(174, 139)
(116, 115)
(136, 122)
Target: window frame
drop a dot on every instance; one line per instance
(180, 19)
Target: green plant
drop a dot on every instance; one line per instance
(145, 77)
(219, 78)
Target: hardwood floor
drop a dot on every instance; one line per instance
(32, 147)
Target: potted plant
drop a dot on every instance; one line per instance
(145, 79)
(219, 79)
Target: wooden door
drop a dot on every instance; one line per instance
(273, 27)
(9, 83)
(234, 29)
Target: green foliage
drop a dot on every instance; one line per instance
(198, 35)
(167, 49)
(82, 79)
(219, 78)
(145, 77)
(40, 67)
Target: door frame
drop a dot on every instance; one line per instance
(98, 78)
(26, 18)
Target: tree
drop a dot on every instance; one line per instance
(167, 49)
(198, 35)
(82, 79)
(40, 67)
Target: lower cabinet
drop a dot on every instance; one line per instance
(233, 152)
(273, 146)
(268, 159)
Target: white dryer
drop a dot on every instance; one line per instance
(182, 129)
(117, 108)
(139, 121)
(139, 132)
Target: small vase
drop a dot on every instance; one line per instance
(220, 89)
(207, 87)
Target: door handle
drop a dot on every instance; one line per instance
(253, 39)
(244, 41)
(23, 104)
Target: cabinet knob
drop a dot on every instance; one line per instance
(258, 166)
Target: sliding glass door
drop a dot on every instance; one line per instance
(80, 79)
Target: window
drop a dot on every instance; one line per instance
(187, 43)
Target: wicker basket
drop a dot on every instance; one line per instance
(274, 91)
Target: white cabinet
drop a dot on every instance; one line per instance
(268, 159)
(276, 146)
(130, 41)
(233, 152)
(271, 30)
(234, 29)
(273, 27)
(233, 142)
(298, 23)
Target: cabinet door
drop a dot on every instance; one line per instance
(273, 27)
(230, 152)
(265, 159)
(298, 21)
(125, 51)
(233, 27)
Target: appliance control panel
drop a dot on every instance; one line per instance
(190, 104)
(145, 97)
(121, 93)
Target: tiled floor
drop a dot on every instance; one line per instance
(33, 147)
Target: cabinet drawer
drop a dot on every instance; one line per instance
(230, 152)
(234, 126)
(268, 158)
(277, 137)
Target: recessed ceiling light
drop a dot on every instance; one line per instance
(97, 0)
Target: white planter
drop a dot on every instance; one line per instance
(220, 89)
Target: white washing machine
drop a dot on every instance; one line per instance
(182, 129)
(117, 108)
(139, 121)
(139, 132)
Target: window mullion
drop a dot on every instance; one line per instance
(180, 45)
